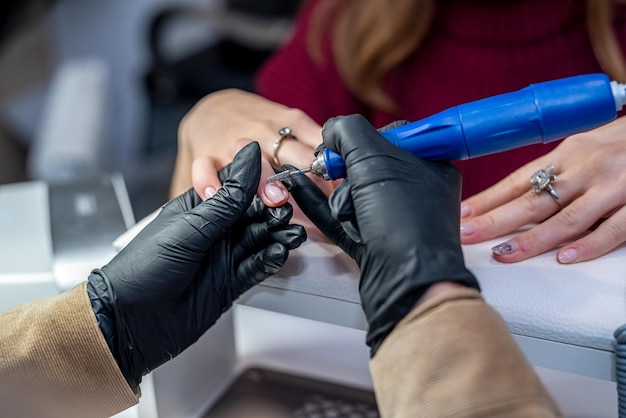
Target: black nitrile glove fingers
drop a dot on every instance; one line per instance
(274, 217)
(342, 209)
(190, 200)
(356, 140)
(314, 204)
(340, 202)
(258, 235)
(263, 247)
(387, 187)
(184, 233)
(178, 205)
(256, 210)
(406, 212)
(258, 267)
(229, 203)
(391, 203)
(320, 148)
(291, 236)
(279, 216)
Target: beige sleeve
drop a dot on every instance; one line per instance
(453, 356)
(53, 357)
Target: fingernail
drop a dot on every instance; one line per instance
(567, 256)
(465, 210)
(468, 228)
(504, 248)
(208, 192)
(275, 193)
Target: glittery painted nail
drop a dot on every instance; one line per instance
(504, 248)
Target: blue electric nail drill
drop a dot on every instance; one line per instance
(537, 114)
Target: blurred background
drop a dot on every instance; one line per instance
(90, 87)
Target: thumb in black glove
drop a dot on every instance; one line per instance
(174, 280)
(400, 221)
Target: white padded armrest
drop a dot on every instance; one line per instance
(568, 306)
(579, 304)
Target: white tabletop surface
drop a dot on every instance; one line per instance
(580, 304)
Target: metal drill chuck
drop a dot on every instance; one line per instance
(318, 167)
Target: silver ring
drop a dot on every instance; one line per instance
(284, 134)
(541, 181)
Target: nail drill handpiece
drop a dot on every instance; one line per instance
(539, 113)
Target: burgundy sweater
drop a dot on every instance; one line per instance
(473, 51)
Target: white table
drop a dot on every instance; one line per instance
(562, 316)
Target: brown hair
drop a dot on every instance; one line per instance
(371, 37)
(603, 40)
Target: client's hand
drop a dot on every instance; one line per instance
(175, 279)
(221, 123)
(587, 221)
(397, 215)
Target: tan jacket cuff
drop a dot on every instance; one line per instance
(453, 356)
(54, 348)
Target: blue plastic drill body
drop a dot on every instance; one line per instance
(540, 113)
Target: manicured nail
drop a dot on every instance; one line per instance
(504, 248)
(275, 193)
(468, 228)
(465, 210)
(567, 256)
(208, 192)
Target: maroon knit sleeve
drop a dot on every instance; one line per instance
(291, 77)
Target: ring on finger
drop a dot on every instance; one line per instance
(541, 180)
(284, 134)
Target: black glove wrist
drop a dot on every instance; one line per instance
(100, 300)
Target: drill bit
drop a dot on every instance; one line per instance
(318, 167)
(287, 174)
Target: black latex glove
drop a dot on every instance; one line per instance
(396, 214)
(175, 279)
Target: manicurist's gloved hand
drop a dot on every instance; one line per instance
(396, 214)
(175, 279)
